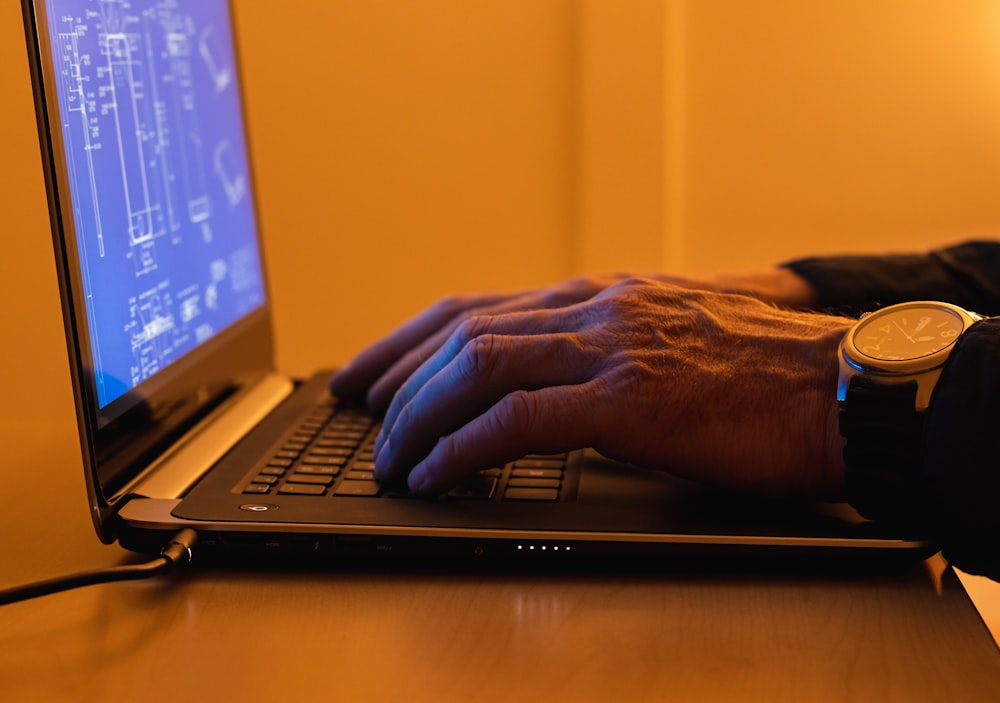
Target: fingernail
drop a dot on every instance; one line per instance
(379, 440)
(381, 457)
(417, 479)
(381, 473)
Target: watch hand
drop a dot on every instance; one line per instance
(903, 331)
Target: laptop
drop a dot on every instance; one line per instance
(184, 420)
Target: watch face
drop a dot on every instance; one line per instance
(908, 333)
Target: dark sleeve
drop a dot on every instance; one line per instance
(967, 275)
(961, 458)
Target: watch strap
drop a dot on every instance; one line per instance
(882, 452)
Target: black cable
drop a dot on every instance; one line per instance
(176, 552)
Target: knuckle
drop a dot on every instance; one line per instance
(575, 290)
(450, 306)
(516, 414)
(555, 297)
(621, 301)
(568, 291)
(637, 283)
(471, 327)
(479, 356)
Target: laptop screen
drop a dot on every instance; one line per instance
(158, 175)
(153, 221)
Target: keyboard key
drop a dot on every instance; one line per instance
(350, 424)
(321, 449)
(318, 470)
(304, 489)
(315, 479)
(356, 437)
(345, 443)
(323, 460)
(534, 494)
(257, 488)
(539, 464)
(478, 488)
(533, 483)
(357, 488)
(355, 475)
(536, 473)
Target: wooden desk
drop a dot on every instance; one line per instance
(299, 636)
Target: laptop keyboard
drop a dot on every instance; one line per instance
(330, 453)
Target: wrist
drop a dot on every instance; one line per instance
(808, 406)
(890, 363)
(835, 468)
(781, 286)
(827, 471)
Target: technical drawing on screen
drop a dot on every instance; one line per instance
(149, 107)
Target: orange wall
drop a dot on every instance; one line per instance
(778, 128)
(837, 126)
(407, 150)
(34, 375)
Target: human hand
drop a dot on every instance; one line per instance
(379, 371)
(719, 388)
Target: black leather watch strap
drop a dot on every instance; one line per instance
(882, 454)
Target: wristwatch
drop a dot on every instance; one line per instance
(890, 362)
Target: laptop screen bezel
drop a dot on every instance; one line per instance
(121, 439)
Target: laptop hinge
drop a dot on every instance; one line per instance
(198, 450)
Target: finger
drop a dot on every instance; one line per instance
(544, 421)
(487, 368)
(516, 323)
(381, 393)
(354, 379)
(564, 294)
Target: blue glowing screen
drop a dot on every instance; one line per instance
(155, 154)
